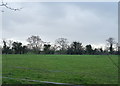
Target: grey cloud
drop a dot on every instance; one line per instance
(84, 22)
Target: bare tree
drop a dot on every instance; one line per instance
(35, 42)
(63, 42)
(3, 4)
(9, 43)
(111, 42)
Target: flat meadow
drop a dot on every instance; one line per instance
(73, 69)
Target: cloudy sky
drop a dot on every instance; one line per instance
(86, 22)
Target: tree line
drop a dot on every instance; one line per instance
(37, 46)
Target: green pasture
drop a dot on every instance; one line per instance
(73, 69)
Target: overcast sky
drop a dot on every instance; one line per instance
(86, 22)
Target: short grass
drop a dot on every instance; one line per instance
(74, 69)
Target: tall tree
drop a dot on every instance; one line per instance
(35, 43)
(47, 48)
(63, 42)
(89, 49)
(24, 49)
(111, 42)
(9, 43)
(6, 48)
(77, 48)
(17, 47)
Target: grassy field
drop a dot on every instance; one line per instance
(73, 69)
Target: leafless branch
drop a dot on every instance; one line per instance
(6, 5)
